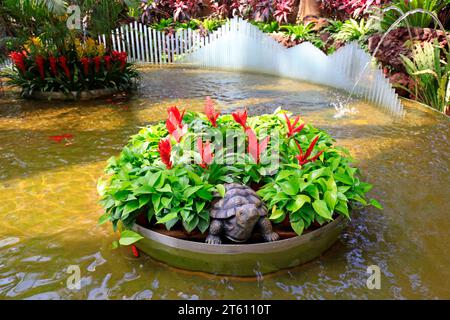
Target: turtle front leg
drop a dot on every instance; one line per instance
(215, 231)
(265, 227)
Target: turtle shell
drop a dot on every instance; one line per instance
(236, 195)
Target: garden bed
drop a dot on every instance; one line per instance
(255, 179)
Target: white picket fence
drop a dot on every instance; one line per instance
(147, 45)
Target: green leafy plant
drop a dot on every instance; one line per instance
(169, 172)
(300, 31)
(334, 26)
(430, 74)
(354, 30)
(267, 27)
(417, 19)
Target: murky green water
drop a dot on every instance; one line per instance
(48, 207)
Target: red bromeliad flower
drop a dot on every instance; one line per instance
(291, 126)
(241, 118)
(164, 148)
(174, 123)
(205, 153)
(107, 62)
(40, 63)
(97, 61)
(85, 63)
(255, 148)
(63, 63)
(19, 60)
(53, 65)
(120, 56)
(211, 112)
(303, 158)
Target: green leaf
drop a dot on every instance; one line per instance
(130, 206)
(298, 202)
(204, 194)
(283, 174)
(128, 237)
(320, 206)
(298, 226)
(290, 187)
(143, 200)
(376, 204)
(342, 207)
(156, 200)
(166, 188)
(330, 198)
(199, 205)
(104, 218)
(313, 191)
(276, 214)
(221, 190)
(319, 173)
(165, 201)
(167, 217)
(190, 191)
(344, 178)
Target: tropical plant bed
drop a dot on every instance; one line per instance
(80, 70)
(170, 174)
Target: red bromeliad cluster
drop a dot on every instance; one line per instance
(176, 129)
(292, 130)
(25, 62)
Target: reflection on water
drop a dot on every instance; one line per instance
(48, 207)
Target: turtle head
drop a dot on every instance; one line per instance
(247, 216)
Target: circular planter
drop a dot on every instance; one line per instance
(239, 259)
(73, 95)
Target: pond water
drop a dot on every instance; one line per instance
(49, 210)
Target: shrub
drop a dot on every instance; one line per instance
(430, 74)
(169, 172)
(352, 30)
(415, 20)
(353, 8)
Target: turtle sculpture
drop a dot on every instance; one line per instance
(236, 214)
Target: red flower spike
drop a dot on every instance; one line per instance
(53, 65)
(164, 148)
(107, 62)
(205, 153)
(85, 63)
(97, 61)
(63, 63)
(210, 112)
(303, 158)
(291, 126)
(175, 116)
(174, 123)
(135, 251)
(255, 148)
(241, 118)
(40, 63)
(19, 60)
